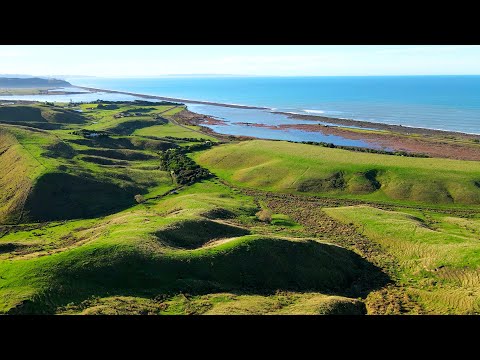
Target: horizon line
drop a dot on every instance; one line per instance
(220, 75)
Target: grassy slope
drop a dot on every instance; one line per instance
(438, 253)
(205, 241)
(40, 116)
(288, 167)
(222, 304)
(52, 175)
(18, 170)
(124, 255)
(176, 243)
(59, 186)
(174, 131)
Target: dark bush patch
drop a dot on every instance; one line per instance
(9, 247)
(140, 110)
(90, 133)
(107, 106)
(361, 149)
(182, 168)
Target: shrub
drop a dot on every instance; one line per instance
(264, 215)
(184, 169)
(139, 198)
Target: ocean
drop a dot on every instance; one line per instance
(435, 102)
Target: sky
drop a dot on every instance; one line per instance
(257, 60)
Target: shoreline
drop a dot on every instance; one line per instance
(404, 129)
(174, 99)
(428, 145)
(331, 120)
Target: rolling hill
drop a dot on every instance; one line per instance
(308, 169)
(96, 218)
(32, 82)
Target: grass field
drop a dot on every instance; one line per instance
(439, 254)
(89, 224)
(66, 245)
(297, 168)
(55, 175)
(140, 252)
(173, 131)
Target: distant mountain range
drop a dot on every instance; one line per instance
(31, 82)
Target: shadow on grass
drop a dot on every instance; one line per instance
(261, 266)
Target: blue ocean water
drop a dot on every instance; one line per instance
(436, 102)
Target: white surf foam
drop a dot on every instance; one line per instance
(314, 111)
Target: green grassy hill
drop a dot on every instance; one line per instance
(18, 170)
(298, 168)
(150, 250)
(31, 82)
(40, 116)
(90, 224)
(44, 178)
(437, 253)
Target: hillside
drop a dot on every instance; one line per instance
(309, 169)
(32, 82)
(40, 116)
(116, 208)
(18, 170)
(42, 180)
(114, 255)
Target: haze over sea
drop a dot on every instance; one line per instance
(435, 102)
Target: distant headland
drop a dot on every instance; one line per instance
(34, 82)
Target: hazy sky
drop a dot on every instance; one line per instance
(286, 60)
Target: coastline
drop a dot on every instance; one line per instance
(433, 146)
(331, 120)
(173, 99)
(408, 130)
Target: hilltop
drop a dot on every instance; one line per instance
(33, 82)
